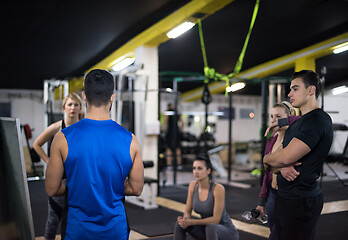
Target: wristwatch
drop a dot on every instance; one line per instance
(283, 122)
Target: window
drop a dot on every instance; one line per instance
(246, 113)
(5, 109)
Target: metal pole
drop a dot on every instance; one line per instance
(130, 102)
(175, 129)
(206, 128)
(323, 72)
(230, 136)
(264, 94)
(158, 141)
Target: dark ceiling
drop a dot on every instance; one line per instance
(62, 39)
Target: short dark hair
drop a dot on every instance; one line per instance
(99, 86)
(309, 78)
(206, 159)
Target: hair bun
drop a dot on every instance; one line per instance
(203, 157)
(98, 77)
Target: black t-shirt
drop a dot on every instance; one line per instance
(315, 130)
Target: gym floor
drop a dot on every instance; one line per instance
(241, 195)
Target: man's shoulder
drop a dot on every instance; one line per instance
(320, 116)
(122, 129)
(318, 112)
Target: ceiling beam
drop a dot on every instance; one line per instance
(301, 59)
(156, 34)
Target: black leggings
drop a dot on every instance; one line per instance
(55, 209)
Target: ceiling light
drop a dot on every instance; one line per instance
(177, 31)
(123, 64)
(339, 90)
(197, 119)
(340, 48)
(235, 87)
(169, 90)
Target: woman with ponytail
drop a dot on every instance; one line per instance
(207, 199)
(268, 193)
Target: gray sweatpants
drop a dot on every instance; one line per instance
(208, 232)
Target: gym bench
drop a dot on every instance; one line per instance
(147, 199)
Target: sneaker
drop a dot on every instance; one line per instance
(256, 172)
(169, 168)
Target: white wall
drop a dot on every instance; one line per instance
(242, 129)
(27, 105)
(249, 129)
(336, 107)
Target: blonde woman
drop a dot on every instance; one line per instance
(269, 186)
(72, 106)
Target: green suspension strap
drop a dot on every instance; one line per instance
(239, 63)
(210, 73)
(205, 61)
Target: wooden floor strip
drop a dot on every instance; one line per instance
(334, 207)
(246, 227)
(329, 207)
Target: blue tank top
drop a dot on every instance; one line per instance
(96, 167)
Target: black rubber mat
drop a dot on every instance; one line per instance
(242, 236)
(330, 226)
(39, 206)
(152, 222)
(160, 222)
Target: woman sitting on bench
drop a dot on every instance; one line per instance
(207, 199)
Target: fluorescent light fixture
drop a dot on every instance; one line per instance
(235, 87)
(171, 113)
(197, 119)
(340, 48)
(339, 90)
(123, 64)
(177, 31)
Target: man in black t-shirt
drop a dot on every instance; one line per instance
(307, 141)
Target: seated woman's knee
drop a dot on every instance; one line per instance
(211, 228)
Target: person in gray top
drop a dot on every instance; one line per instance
(207, 199)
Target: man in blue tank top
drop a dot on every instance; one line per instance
(307, 141)
(102, 161)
